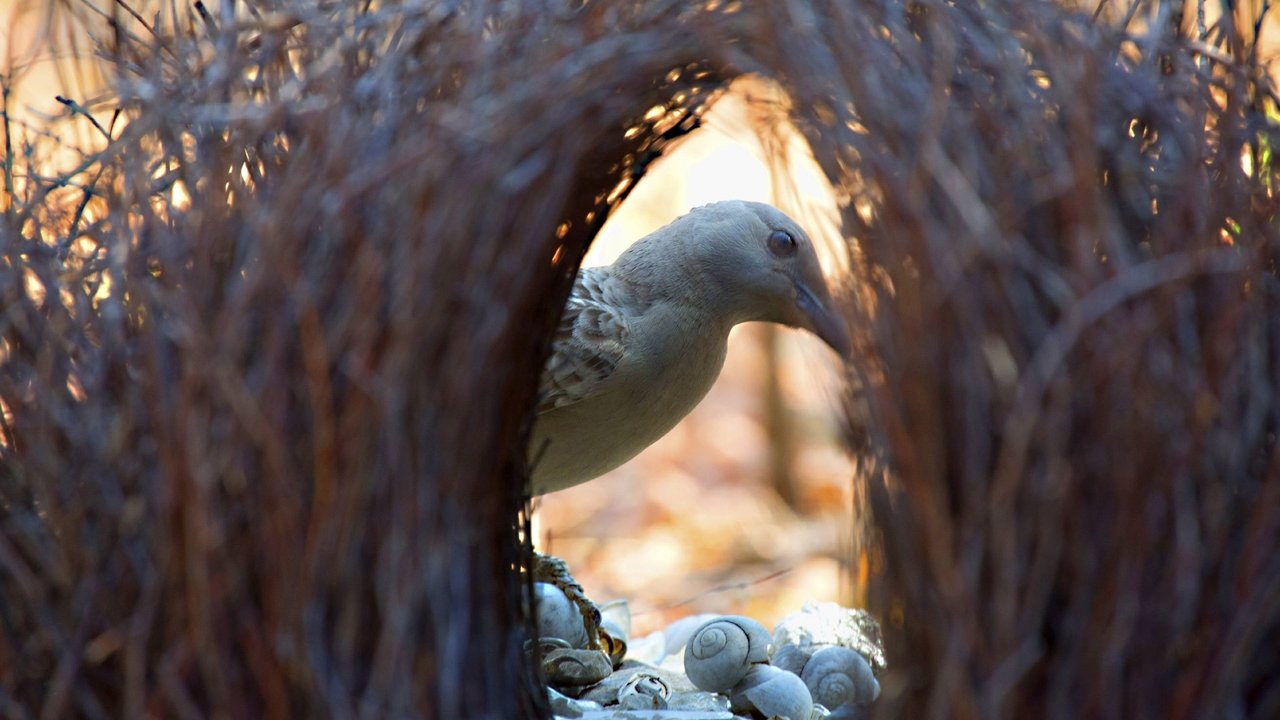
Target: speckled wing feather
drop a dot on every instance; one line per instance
(590, 341)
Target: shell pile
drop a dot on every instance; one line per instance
(818, 663)
(730, 655)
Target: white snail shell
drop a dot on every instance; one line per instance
(720, 653)
(772, 693)
(615, 629)
(839, 677)
(644, 691)
(558, 616)
(791, 658)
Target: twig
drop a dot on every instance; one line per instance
(9, 202)
(719, 589)
(76, 109)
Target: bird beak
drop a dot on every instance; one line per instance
(821, 319)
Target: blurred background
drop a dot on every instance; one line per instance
(34, 75)
(746, 506)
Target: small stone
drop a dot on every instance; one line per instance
(565, 668)
(606, 693)
(658, 715)
(566, 707)
(700, 700)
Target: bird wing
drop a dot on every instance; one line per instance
(589, 343)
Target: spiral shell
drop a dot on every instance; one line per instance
(839, 677)
(644, 691)
(720, 653)
(791, 658)
(771, 692)
(558, 616)
(614, 630)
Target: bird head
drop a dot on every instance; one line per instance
(765, 266)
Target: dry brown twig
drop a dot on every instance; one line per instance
(263, 419)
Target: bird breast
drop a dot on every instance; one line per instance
(674, 361)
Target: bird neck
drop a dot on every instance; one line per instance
(673, 267)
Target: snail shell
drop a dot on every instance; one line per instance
(720, 653)
(821, 624)
(558, 616)
(839, 678)
(773, 693)
(644, 691)
(614, 630)
(791, 658)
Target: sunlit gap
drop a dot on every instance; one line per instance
(698, 521)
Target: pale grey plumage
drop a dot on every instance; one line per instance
(642, 341)
(590, 341)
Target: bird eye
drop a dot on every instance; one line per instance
(782, 243)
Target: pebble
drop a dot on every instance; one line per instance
(700, 700)
(606, 692)
(657, 715)
(563, 706)
(566, 667)
(651, 680)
